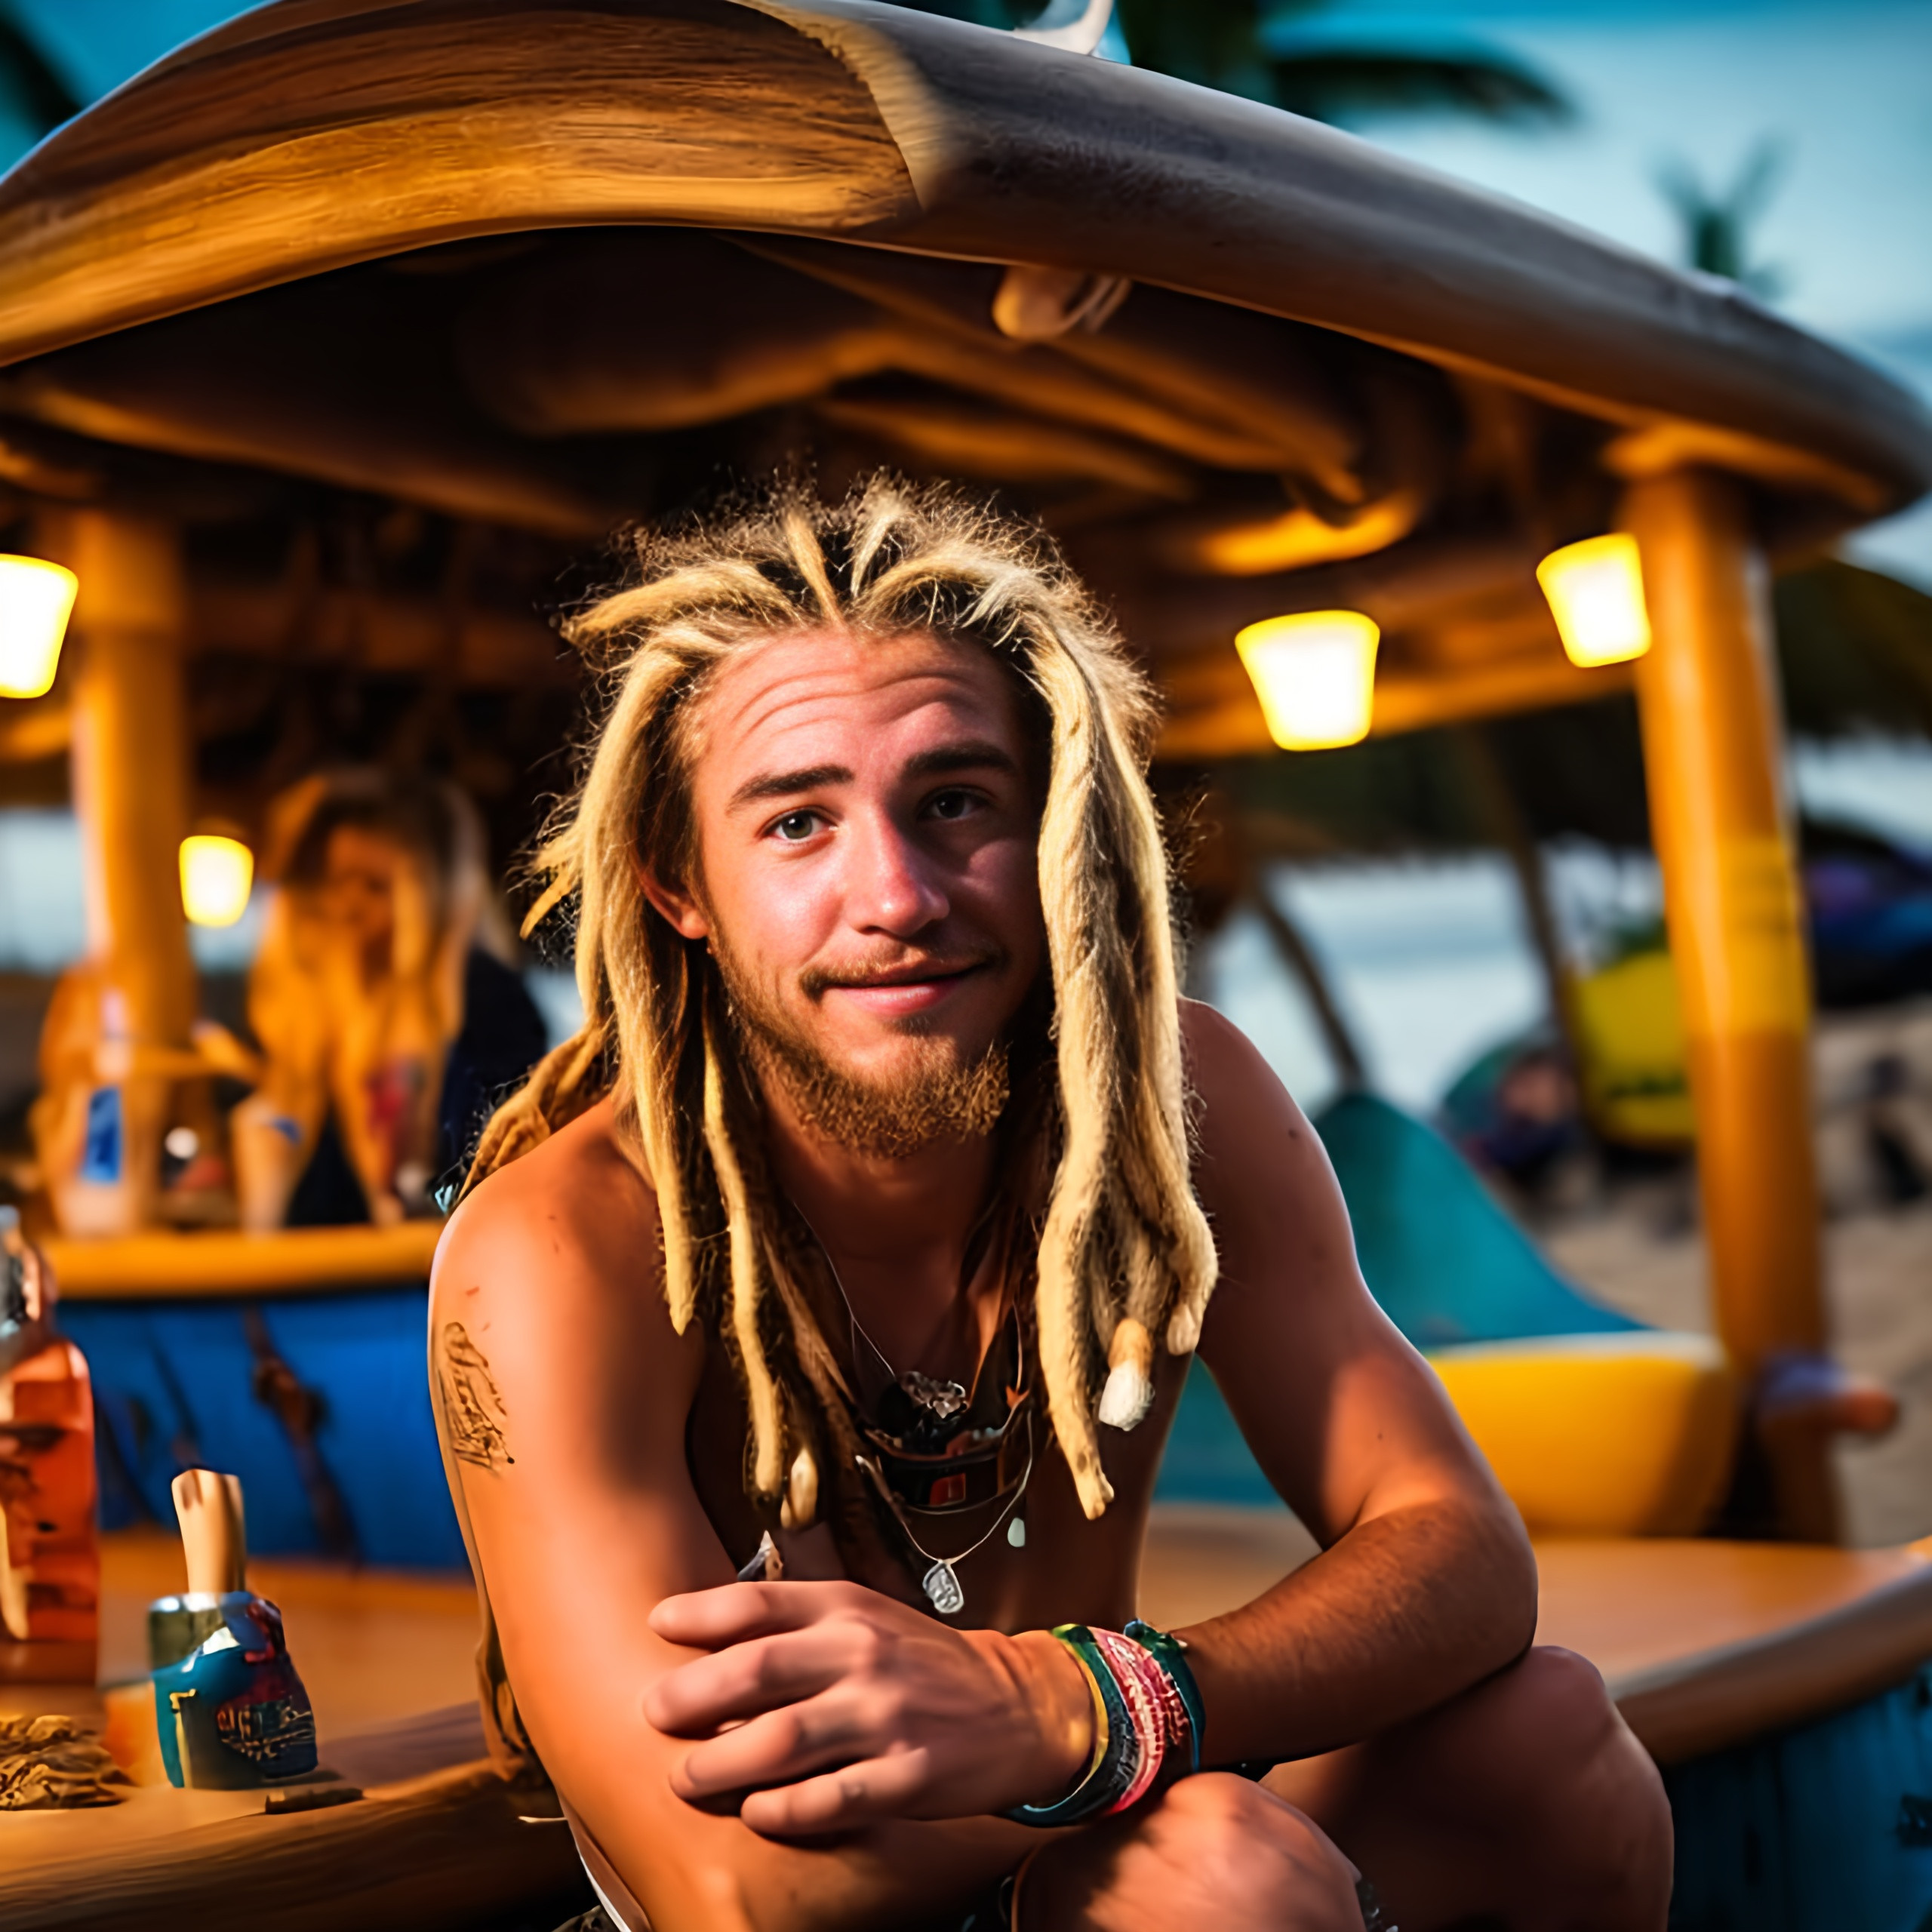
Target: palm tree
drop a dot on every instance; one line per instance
(1239, 45)
(1245, 46)
(1718, 222)
(29, 80)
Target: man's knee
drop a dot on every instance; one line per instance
(1575, 1781)
(1215, 1849)
(1255, 1857)
(1559, 1700)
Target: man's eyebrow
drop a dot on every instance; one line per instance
(973, 755)
(783, 784)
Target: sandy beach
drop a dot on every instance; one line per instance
(1879, 1280)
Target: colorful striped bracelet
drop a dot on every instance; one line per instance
(1146, 1707)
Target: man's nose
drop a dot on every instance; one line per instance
(893, 886)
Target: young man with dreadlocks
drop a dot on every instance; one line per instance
(857, 1247)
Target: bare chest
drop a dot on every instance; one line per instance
(1024, 1564)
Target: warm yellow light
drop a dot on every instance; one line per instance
(1315, 674)
(216, 875)
(36, 599)
(1595, 590)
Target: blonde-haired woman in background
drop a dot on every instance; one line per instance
(383, 998)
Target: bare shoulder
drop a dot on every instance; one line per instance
(1281, 1227)
(578, 1193)
(554, 1263)
(1240, 1104)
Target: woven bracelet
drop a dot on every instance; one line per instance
(1171, 1653)
(1117, 1744)
(1146, 1703)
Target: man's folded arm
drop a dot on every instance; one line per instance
(1426, 1584)
(568, 1404)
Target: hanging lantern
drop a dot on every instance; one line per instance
(1595, 590)
(1315, 674)
(217, 873)
(36, 599)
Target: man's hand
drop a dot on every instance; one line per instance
(39, 1289)
(38, 1281)
(900, 1717)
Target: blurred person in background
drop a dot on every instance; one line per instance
(386, 1001)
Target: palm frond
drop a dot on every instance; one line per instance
(1207, 40)
(1226, 44)
(1718, 222)
(30, 78)
(1334, 83)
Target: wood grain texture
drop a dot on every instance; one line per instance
(314, 135)
(443, 1851)
(326, 136)
(1021, 153)
(1704, 1643)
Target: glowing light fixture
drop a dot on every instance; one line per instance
(1315, 674)
(1595, 590)
(216, 875)
(36, 599)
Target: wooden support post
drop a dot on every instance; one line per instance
(131, 782)
(1708, 700)
(131, 775)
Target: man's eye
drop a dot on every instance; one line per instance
(950, 804)
(795, 827)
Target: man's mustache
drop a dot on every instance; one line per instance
(899, 968)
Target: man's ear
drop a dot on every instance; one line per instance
(676, 905)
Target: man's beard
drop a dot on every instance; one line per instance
(935, 1098)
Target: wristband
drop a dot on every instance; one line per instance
(1171, 1653)
(1116, 1750)
(1147, 1706)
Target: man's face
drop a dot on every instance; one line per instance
(868, 876)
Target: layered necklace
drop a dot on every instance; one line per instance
(930, 1455)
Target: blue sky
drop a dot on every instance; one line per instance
(1844, 88)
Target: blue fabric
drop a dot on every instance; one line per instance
(1207, 1459)
(173, 1387)
(1443, 1258)
(1825, 1828)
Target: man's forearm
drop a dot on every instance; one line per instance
(1405, 1610)
(897, 1873)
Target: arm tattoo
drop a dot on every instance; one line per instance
(473, 1411)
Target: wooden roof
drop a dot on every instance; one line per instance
(552, 263)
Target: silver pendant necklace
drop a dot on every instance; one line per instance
(941, 1582)
(939, 1395)
(944, 1399)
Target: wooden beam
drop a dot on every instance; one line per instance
(1421, 584)
(380, 632)
(903, 129)
(447, 122)
(222, 1263)
(1215, 714)
(131, 778)
(220, 387)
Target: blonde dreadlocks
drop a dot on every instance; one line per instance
(1124, 1251)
